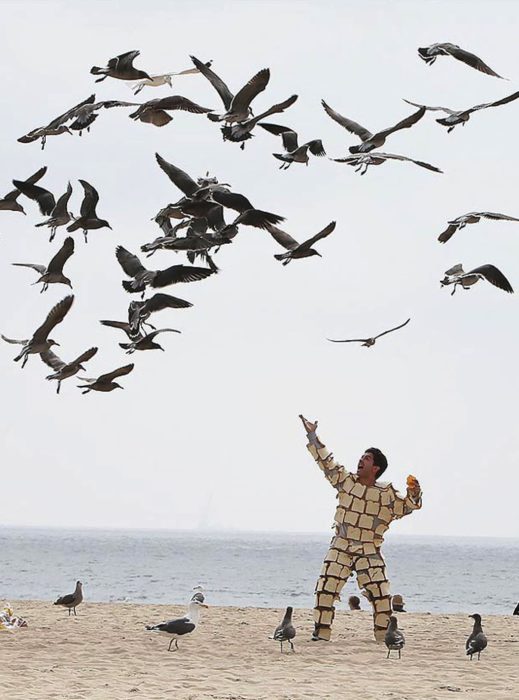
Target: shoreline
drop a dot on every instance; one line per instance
(105, 653)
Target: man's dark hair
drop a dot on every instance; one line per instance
(379, 460)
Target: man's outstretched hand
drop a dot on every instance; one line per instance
(413, 485)
(309, 427)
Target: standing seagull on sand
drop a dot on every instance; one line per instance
(429, 54)
(88, 218)
(9, 201)
(64, 370)
(237, 107)
(72, 600)
(53, 273)
(285, 632)
(105, 382)
(477, 640)
(371, 141)
(457, 276)
(369, 342)
(472, 217)
(60, 216)
(180, 626)
(40, 342)
(394, 639)
(120, 67)
(294, 152)
(297, 250)
(163, 79)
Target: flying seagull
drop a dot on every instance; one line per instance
(429, 54)
(40, 195)
(285, 632)
(120, 67)
(394, 638)
(180, 626)
(146, 342)
(241, 131)
(297, 250)
(60, 216)
(9, 202)
(155, 111)
(64, 370)
(182, 180)
(362, 161)
(163, 79)
(456, 276)
(53, 273)
(472, 217)
(88, 218)
(237, 107)
(105, 382)
(72, 600)
(40, 342)
(294, 153)
(369, 342)
(371, 141)
(461, 116)
(477, 640)
(57, 125)
(140, 311)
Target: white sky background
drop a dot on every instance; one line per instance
(207, 434)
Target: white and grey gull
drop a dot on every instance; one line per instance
(429, 54)
(53, 272)
(180, 626)
(457, 276)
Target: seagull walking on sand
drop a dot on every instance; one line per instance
(457, 276)
(72, 600)
(294, 153)
(285, 632)
(53, 273)
(64, 370)
(394, 638)
(105, 382)
(9, 202)
(297, 250)
(472, 217)
(369, 342)
(88, 218)
(180, 626)
(477, 640)
(429, 54)
(120, 67)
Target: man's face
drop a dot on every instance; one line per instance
(365, 467)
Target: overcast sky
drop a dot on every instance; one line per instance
(207, 435)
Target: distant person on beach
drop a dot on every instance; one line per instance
(365, 510)
(354, 602)
(397, 603)
(516, 611)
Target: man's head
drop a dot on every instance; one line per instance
(372, 465)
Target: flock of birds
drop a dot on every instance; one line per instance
(195, 224)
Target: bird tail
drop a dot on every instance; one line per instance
(125, 346)
(279, 156)
(131, 286)
(280, 256)
(95, 70)
(215, 117)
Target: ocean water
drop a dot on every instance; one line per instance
(434, 574)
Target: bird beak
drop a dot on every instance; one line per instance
(58, 344)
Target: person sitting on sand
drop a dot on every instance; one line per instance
(366, 509)
(397, 603)
(354, 602)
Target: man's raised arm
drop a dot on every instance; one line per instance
(333, 471)
(412, 501)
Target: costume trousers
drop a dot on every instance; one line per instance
(339, 564)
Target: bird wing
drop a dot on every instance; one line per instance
(404, 124)
(119, 372)
(179, 102)
(70, 113)
(180, 273)
(498, 217)
(497, 103)
(393, 329)
(85, 356)
(159, 301)
(470, 59)
(122, 325)
(448, 233)
(250, 90)
(275, 109)
(14, 194)
(178, 177)
(62, 204)
(181, 626)
(455, 270)
(52, 360)
(40, 269)
(55, 316)
(157, 117)
(45, 199)
(288, 135)
(431, 109)
(129, 262)
(316, 147)
(66, 599)
(348, 124)
(257, 218)
(494, 276)
(61, 257)
(352, 340)
(282, 237)
(90, 200)
(161, 330)
(125, 60)
(221, 88)
(322, 234)
(13, 341)
(232, 200)
(393, 156)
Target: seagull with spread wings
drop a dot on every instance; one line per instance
(58, 125)
(369, 342)
(59, 216)
(105, 382)
(120, 67)
(40, 341)
(163, 79)
(461, 116)
(371, 141)
(297, 250)
(9, 202)
(40, 195)
(362, 161)
(146, 342)
(64, 370)
(294, 153)
(53, 272)
(88, 218)
(241, 131)
(472, 217)
(457, 276)
(140, 311)
(429, 54)
(237, 107)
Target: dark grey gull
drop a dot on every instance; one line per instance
(394, 638)
(121, 67)
(298, 250)
(163, 79)
(429, 54)
(156, 111)
(362, 161)
(60, 216)
(294, 153)
(369, 342)
(40, 195)
(57, 125)
(477, 640)
(9, 202)
(457, 276)
(285, 632)
(123, 326)
(105, 382)
(146, 342)
(53, 273)
(64, 370)
(241, 131)
(88, 218)
(237, 106)
(140, 311)
(40, 342)
(180, 626)
(72, 600)
(371, 141)
(472, 217)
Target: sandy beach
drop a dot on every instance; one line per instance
(106, 654)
